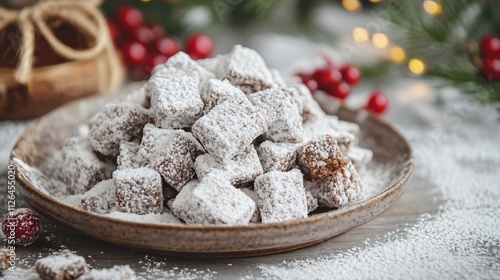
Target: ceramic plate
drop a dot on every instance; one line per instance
(385, 179)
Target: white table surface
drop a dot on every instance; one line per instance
(431, 126)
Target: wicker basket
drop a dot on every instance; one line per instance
(29, 90)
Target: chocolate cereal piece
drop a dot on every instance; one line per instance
(215, 91)
(65, 266)
(281, 196)
(242, 168)
(172, 153)
(175, 101)
(138, 191)
(277, 156)
(182, 64)
(228, 129)
(117, 272)
(320, 158)
(213, 201)
(341, 189)
(80, 168)
(281, 114)
(101, 198)
(115, 123)
(245, 69)
(129, 156)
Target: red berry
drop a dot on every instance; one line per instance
(167, 46)
(134, 53)
(351, 74)
(142, 34)
(327, 78)
(128, 17)
(24, 225)
(340, 90)
(489, 46)
(113, 32)
(491, 69)
(156, 60)
(377, 103)
(158, 31)
(199, 46)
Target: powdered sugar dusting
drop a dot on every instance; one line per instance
(461, 241)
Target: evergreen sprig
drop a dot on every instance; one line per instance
(448, 43)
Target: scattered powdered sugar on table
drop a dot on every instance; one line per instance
(460, 241)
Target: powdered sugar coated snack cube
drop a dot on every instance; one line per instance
(359, 157)
(129, 156)
(213, 201)
(64, 266)
(228, 129)
(182, 64)
(277, 108)
(281, 196)
(329, 125)
(245, 69)
(311, 110)
(277, 156)
(341, 189)
(138, 191)
(173, 155)
(320, 157)
(215, 91)
(279, 82)
(175, 101)
(80, 167)
(242, 168)
(115, 123)
(117, 272)
(151, 137)
(312, 202)
(101, 198)
(256, 214)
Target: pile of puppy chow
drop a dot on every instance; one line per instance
(222, 140)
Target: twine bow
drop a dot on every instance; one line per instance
(82, 14)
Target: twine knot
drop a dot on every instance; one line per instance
(83, 14)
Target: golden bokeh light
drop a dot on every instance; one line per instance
(360, 35)
(352, 5)
(432, 7)
(398, 55)
(380, 40)
(416, 66)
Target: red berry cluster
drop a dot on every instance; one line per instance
(332, 79)
(143, 45)
(23, 226)
(489, 48)
(337, 81)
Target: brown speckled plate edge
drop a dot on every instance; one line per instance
(212, 240)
